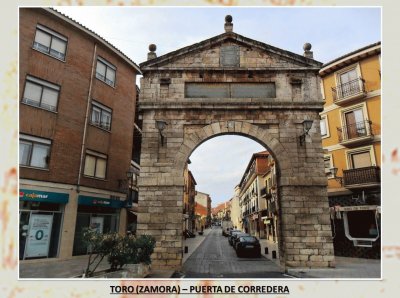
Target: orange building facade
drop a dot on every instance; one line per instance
(351, 138)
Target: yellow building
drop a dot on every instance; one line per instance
(351, 138)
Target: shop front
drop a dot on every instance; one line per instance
(101, 214)
(40, 220)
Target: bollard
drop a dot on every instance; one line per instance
(274, 254)
(186, 249)
(266, 250)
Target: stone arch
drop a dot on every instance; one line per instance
(254, 132)
(261, 135)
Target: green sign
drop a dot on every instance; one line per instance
(102, 202)
(43, 196)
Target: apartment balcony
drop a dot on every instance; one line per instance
(362, 177)
(348, 92)
(355, 134)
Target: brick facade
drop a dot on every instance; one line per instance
(65, 127)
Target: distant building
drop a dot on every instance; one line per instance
(235, 212)
(76, 127)
(189, 200)
(202, 209)
(351, 137)
(250, 200)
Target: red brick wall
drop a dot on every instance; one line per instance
(65, 128)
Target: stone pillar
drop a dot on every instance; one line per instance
(68, 226)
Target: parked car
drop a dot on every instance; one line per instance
(232, 235)
(235, 238)
(226, 231)
(248, 245)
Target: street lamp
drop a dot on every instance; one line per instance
(307, 124)
(333, 173)
(129, 175)
(160, 125)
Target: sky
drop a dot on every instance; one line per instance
(219, 163)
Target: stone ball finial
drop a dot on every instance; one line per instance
(228, 19)
(307, 46)
(152, 47)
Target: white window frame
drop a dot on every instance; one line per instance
(97, 156)
(330, 156)
(102, 109)
(44, 85)
(108, 65)
(52, 35)
(325, 118)
(362, 106)
(338, 73)
(35, 141)
(369, 149)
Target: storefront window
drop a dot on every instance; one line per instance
(103, 219)
(39, 232)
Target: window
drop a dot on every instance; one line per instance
(349, 82)
(101, 116)
(328, 164)
(50, 42)
(355, 123)
(361, 158)
(323, 123)
(41, 94)
(105, 71)
(34, 151)
(95, 164)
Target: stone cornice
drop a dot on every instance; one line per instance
(230, 69)
(253, 104)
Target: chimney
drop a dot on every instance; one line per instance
(307, 52)
(228, 23)
(152, 54)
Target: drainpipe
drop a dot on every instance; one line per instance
(86, 119)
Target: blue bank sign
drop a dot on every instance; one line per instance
(43, 196)
(103, 202)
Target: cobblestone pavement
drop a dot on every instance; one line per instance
(215, 258)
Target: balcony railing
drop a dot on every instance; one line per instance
(362, 176)
(355, 131)
(348, 90)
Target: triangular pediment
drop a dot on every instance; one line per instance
(230, 50)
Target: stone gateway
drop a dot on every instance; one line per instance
(230, 84)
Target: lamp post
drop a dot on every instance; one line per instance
(333, 171)
(307, 124)
(129, 175)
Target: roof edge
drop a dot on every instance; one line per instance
(367, 50)
(86, 30)
(234, 36)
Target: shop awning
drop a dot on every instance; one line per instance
(43, 196)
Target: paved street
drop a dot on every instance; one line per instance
(215, 258)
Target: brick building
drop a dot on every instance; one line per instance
(77, 109)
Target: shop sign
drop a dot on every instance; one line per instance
(39, 236)
(43, 196)
(356, 208)
(102, 202)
